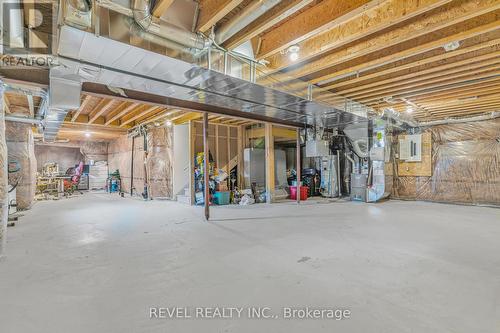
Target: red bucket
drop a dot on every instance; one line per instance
(303, 192)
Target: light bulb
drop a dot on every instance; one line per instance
(87, 134)
(168, 123)
(294, 56)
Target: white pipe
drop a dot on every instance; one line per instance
(249, 14)
(489, 116)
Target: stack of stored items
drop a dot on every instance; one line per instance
(199, 178)
(113, 183)
(98, 175)
(50, 183)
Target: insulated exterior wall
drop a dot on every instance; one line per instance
(21, 150)
(158, 164)
(465, 166)
(95, 151)
(120, 158)
(65, 157)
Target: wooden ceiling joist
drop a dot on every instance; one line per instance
(104, 106)
(387, 14)
(419, 49)
(133, 116)
(421, 28)
(441, 80)
(446, 69)
(86, 101)
(122, 111)
(161, 6)
(269, 19)
(422, 62)
(478, 90)
(212, 11)
(316, 19)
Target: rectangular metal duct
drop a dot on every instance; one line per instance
(64, 95)
(108, 62)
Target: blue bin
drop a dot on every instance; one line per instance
(221, 198)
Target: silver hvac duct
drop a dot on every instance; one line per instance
(488, 116)
(23, 120)
(162, 33)
(249, 14)
(64, 95)
(142, 15)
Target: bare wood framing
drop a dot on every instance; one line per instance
(211, 11)
(411, 51)
(392, 38)
(389, 13)
(273, 16)
(317, 19)
(161, 7)
(101, 108)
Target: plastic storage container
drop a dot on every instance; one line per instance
(221, 198)
(303, 192)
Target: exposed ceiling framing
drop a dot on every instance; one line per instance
(385, 53)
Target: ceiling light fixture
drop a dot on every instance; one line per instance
(294, 52)
(168, 123)
(451, 46)
(88, 134)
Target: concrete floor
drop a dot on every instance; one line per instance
(99, 262)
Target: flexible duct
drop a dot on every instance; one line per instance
(163, 33)
(142, 15)
(249, 14)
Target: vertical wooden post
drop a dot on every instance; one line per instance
(206, 168)
(298, 166)
(270, 181)
(217, 161)
(241, 148)
(192, 139)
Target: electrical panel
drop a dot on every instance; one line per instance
(410, 148)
